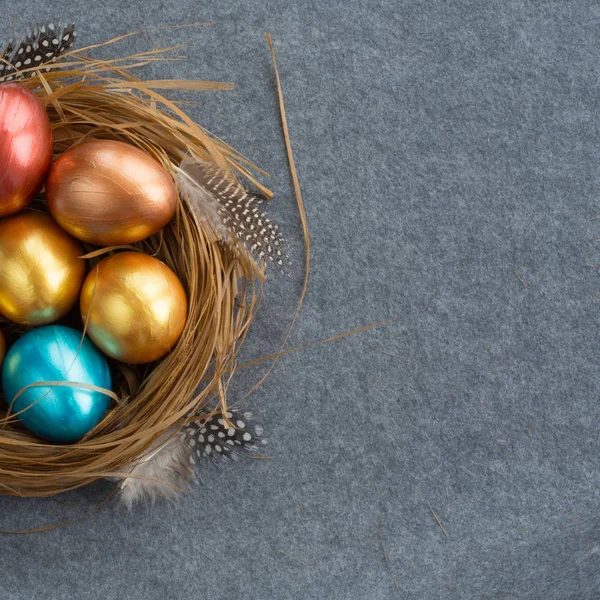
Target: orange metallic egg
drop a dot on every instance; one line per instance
(134, 307)
(107, 193)
(41, 271)
(25, 147)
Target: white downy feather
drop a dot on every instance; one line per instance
(163, 472)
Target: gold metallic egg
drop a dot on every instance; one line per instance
(40, 269)
(134, 307)
(108, 193)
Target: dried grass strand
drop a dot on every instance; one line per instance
(301, 211)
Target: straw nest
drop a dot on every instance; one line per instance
(86, 98)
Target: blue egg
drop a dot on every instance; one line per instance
(53, 353)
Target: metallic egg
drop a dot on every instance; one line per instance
(134, 307)
(56, 353)
(41, 271)
(107, 193)
(25, 147)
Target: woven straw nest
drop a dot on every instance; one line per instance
(102, 99)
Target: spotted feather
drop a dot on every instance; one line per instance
(169, 465)
(39, 48)
(213, 437)
(230, 210)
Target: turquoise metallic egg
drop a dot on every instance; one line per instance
(53, 353)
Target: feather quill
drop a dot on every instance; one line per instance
(168, 467)
(232, 212)
(41, 46)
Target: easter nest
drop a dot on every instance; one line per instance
(92, 98)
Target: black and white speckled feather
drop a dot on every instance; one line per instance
(230, 210)
(169, 465)
(39, 47)
(214, 438)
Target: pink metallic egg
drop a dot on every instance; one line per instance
(25, 147)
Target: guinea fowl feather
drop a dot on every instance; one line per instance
(168, 467)
(40, 47)
(232, 212)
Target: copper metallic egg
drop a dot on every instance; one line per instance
(25, 147)
(134, 307)
(40, 269)
(108, 193)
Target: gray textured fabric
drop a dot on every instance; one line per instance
(443, 148)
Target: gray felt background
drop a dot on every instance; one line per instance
(441, 146)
